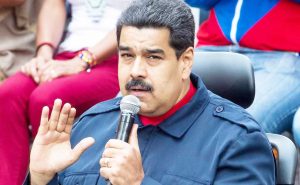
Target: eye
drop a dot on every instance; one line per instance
(154, 57)
(126, 55)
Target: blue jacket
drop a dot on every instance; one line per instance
(208, 141)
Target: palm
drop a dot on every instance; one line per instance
(51, 151)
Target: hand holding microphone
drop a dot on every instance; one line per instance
(121, 162)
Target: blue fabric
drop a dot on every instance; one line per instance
(225, 10)
(208, 141)
(224, 14)
(205, 4)
(248, 18)
(277, 86)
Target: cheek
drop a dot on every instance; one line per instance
(122, 76)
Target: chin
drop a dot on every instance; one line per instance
(144, 109)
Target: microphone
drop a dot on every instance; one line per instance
(130, 105)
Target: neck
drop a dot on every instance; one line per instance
(185, 89)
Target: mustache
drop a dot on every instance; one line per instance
(138, 83)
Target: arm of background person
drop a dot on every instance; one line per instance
(205, 4)
(248, 160)
(11, 3)
(50, 26)
(106, 47)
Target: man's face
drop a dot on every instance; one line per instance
(149, 69)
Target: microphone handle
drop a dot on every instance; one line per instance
(124, 129)
(125, 126)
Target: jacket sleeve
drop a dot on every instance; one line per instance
(205, 4)
(52, 182)
(249, 160)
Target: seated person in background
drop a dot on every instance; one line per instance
(17, 21)
(58, 71)
(268, 33)
(184, 133)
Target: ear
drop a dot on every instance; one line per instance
(187, 60)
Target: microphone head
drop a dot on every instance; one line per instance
(130, 104)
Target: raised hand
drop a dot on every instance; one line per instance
(51, 151)
(121, 162)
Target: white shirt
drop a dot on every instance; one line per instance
(91, 21)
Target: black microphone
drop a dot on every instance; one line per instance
(130, 105)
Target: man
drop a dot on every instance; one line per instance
(184, 133)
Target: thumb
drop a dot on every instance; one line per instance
(133, 139)
(83, 145)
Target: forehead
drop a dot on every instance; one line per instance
(141, 38)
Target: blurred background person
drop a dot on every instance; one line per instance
(75, 61)
(17, 25)
(268, 33)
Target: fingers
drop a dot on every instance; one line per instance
(26, 68)
(55, 114)
(70, 121)
(81, 147)
(63, 117)
(106, 162)
(115, 143)
(32, 68)
(105, 172)
(47, 71)
(48, 75)
(44, 121)
(34, 72)
(110, 152)
(133, 138)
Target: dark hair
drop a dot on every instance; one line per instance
(172, 14)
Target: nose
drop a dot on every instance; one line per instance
(138, 69)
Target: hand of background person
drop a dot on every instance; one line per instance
(51, 151)
(121, 162)
(33, 67)
(55, 68)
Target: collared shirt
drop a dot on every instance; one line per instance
(208, 141)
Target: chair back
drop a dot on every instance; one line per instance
(229, 75)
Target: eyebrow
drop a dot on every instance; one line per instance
(154, 51)
(123, 48)
(151, 51)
